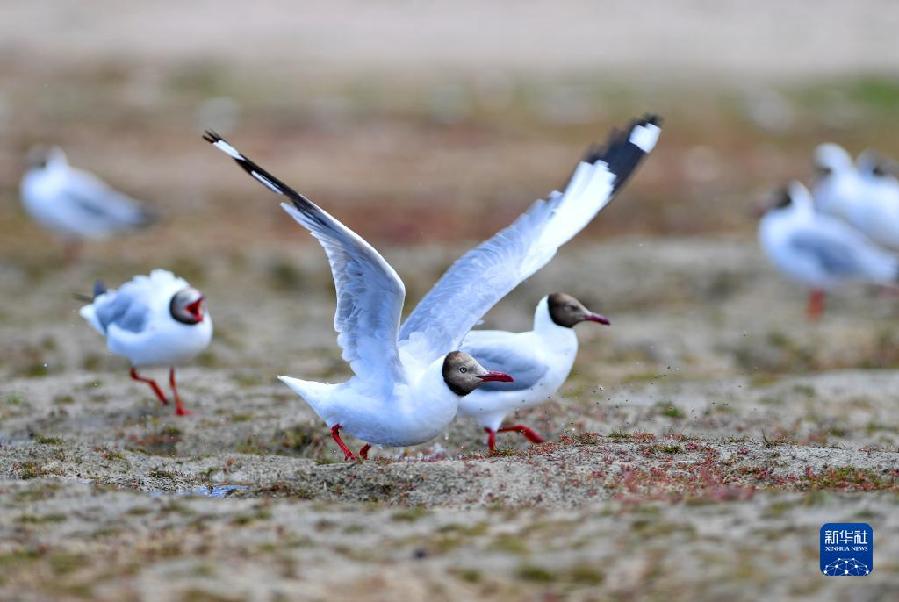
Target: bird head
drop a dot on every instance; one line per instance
(463, 374)
(566, 311)
(187, 306)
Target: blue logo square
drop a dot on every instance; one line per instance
(847, 549)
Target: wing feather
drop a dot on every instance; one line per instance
(487, 273)
(370, 294)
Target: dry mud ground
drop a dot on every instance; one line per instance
(689, 458)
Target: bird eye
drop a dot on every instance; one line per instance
(463, 369)
(572, 308)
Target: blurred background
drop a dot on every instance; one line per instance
(425, 126)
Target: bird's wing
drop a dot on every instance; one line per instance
(843, 254)
(370, 295)
(132, 306)
(119, 308)
(98, 202)
(520, 363)
(485, 274)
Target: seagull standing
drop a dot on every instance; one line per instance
(540, 359)
(75, 204)
(820, 251)
(837, 187)
(393, 400)
(880, 199)
(864, 194)
(155, 320)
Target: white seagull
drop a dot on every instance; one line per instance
(75, 204)
(863, 194)
(540, 359)
(393, 400)
(154, 321)
(819, 251)
(474, 284)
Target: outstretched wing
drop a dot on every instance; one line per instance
(486, 274)
(370, 295)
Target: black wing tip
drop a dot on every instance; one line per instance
(647, 119)
(99, 288)
(257, 172)
(620, 137)
(620, 154)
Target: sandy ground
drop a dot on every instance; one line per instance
(686, 460)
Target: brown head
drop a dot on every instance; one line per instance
(188, 306)
(39, 157)
(566, 311)
(463, 374)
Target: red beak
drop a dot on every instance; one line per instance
(494, 376)
(592, 317)
(195, 310)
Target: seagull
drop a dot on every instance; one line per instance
(75, 204)
(155, 320)
(540, 359)
(837, 185)
(818, 250)
(471, 286)
(880, 198)
(864, 194)
(392, 400)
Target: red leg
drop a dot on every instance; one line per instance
(491, 438)
(179, 405)
(364, 451)
(815, 304)
(335, 434)
(528, 432)
(152, 384)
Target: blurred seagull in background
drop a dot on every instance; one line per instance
(393, 400)
(818, 250)
(879, 173)
(541, 359)
(75, 204)
(864, 194)
(156, 320)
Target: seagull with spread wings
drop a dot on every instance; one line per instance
(539, 359)
(389, 402)
(409, 380)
